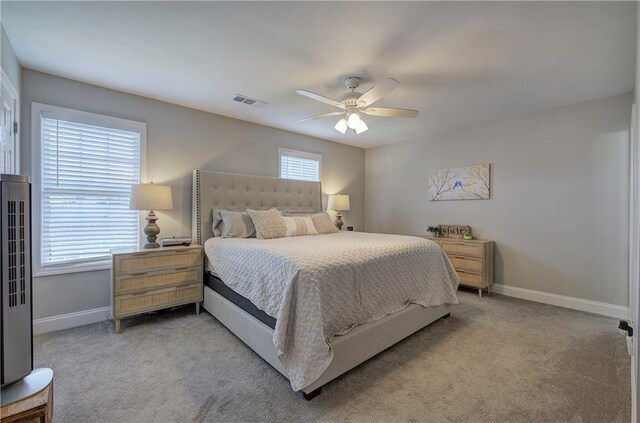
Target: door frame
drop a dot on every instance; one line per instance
(15, 97)
(634, 256)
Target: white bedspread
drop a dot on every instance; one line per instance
(320, 286)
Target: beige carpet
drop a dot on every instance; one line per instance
(495, 360)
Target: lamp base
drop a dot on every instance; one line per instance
(151, 231)
(338, 222)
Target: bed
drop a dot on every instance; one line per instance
(314, 306)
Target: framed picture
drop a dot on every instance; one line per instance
(460, 183)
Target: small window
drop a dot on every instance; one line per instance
(300, 165)
(84, 166)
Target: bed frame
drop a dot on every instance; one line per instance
(239, 192)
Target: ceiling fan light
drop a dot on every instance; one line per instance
(361, 127)
(341, 126)
(353, 120)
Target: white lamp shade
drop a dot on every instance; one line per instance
(361, 127)
(353, 120)
(338, 202)
(150, 197)
(341, 126)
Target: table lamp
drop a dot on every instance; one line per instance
(151, 197)
(338, 203)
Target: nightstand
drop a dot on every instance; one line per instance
(153, 279)
(472, 259)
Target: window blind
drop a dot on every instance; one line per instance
(87, 172)
(299, 165)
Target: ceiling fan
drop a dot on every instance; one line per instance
(352, 105)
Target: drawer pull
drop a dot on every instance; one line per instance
(139, 274)
(180, 269)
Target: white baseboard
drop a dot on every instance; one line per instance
(605, 309)
(71, 320)
(86, 317)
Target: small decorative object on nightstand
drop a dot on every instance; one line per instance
(433, 231)
(148, 280)
(338, 203)
(151, 197)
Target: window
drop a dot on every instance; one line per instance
(300, 165)
(84, 165)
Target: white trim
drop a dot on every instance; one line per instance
(71, 320)
(90, 266)
(38, 110)
(6, 81)
(634, 254)
(300, 154)
(597, 307)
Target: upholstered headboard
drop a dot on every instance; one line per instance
(232, 191)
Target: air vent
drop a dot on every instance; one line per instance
(249, 101)
(16, 246)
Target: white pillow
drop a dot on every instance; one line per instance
(299, 225)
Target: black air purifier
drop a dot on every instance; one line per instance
(16, 328)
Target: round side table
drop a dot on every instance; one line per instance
(30, 399)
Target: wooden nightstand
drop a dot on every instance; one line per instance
(472, 259)
(148, 280)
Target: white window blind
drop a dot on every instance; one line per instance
(300, 165)
(87, 172)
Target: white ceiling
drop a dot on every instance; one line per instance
(459, 63)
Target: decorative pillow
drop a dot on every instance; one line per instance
(268, 223)
(299, 225)
(236, 225)
(217, 221)
(297, 212)
(322, 222)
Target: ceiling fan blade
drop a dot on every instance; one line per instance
(377, 92)
(324, 115)
(390, 112)
(321, 98)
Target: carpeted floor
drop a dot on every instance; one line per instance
(495, 360)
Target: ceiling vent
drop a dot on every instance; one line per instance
(249, 101)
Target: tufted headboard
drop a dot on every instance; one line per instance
(233, 191)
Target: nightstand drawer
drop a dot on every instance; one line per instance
(153, 300)
(144, 281)
(157, 260)
(470, 279)
(470, 264)
(462, 248)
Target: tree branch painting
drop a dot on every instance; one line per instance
(460, 183)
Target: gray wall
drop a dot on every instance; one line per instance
(8, 60)
(179, 139)
(559, 207)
